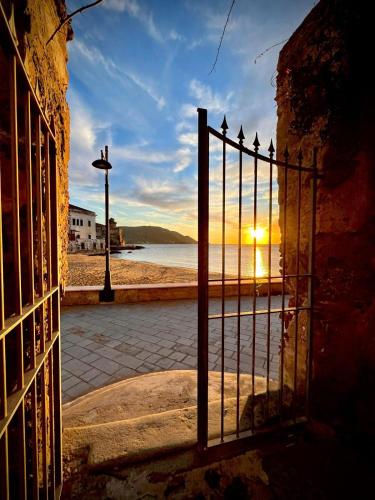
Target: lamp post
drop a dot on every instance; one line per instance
(107, 294)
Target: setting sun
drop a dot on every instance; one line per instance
(259, 234)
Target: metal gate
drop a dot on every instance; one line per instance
(30, 400)
(267, 316)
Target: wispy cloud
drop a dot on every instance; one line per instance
(147, 155)
(141, 154)
(83, 144)
(135, 10)
(115, 71)
(174, 35)
(148, 88)
(206, 97)
(165, 195)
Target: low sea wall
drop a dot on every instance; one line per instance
(125, 294)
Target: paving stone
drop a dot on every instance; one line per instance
(183, 341)
(165, 352)
(191, 351)
(101, 380)
(84, 342)
(147, 368)
(190, 361)
(128, 361)
(90, 375)
(165, 363)
(79, 389)
(143, 355)
(177, 356)
(69, 382)
(90, 358)
(107, 366)
(124, 373)
(167, 343)
(76, 367)
(77, 351)
(154, 358)
(65, 357)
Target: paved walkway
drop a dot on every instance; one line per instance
(106, 343)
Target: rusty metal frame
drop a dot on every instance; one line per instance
(30, 411)
(293, 415)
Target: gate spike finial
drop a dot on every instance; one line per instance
(300, 155)
(256, 142)
(224, 125)
(241, 135)
(271, 149)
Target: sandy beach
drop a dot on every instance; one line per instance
(85, 270)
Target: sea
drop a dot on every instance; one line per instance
(186, 256)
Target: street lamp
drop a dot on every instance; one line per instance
(107, 294)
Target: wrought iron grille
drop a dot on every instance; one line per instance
(271, 316)
(30, 391)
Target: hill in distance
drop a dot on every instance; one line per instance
(154, 235)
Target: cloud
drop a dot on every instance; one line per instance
(185, 156)
(184, 125)
(147, 87)
(178, 159)
(207, 98)
(133, 9)
(188, 138)
(83, 144)
(174, 35)
(177, 196)
(195, 43)
(95, 56)
(139, 154)
(188, 111)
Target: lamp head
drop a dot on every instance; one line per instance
(102, 164)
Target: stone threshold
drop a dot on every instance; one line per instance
(149, 415)
(127, 294)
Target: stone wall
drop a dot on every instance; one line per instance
(46, 65)
(325, 99)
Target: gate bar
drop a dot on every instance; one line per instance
(241, 138)
(256, 149)
(203, 225)
(224, 127)
(270, 206)
(285, 187)
(311, 270)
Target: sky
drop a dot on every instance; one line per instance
(138, 71)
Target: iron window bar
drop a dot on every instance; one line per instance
(30, 385)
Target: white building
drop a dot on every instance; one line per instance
(82, 230)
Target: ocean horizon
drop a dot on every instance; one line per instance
(186, 256)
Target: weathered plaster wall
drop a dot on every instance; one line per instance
(46, 65)
(325, 99)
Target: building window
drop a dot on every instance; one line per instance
(89, 223)
(73, 222)
(89, 236)
(77, 237)
(81, 222)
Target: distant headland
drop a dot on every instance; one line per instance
(154, 235)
